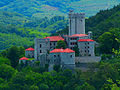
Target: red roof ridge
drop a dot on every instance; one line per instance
(67, 50)
(54, 38)
(30, 49)
(78, 35)
(85, 40)
(23, 58)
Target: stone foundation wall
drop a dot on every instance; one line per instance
(87, 59)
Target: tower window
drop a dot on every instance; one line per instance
(40, 51)
(81, 20)
(40, 45)
(54, 55)
(71, 56)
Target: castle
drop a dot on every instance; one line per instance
(45, 48)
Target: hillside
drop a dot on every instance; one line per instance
(49, 8)
(103, 21)
(16, 28)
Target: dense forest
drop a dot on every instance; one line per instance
(104, 75)
(16, 29)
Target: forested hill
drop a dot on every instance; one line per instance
(41, 8)
(103, 21)
(16, 29)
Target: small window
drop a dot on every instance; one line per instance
(88, 42)
(54, 55)
(88, 47)
(85, 47)
(88, 51)
(54, 44)
(81, 20)
(40, 51)
(50, 44)
(40, 45)
(85, 50)
(71, 56)
(58, 55)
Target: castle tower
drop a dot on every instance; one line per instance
(76, 23)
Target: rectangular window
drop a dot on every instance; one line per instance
(40, 51)
(40, 45)
(54, 55)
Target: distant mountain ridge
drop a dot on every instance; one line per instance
(49, 8)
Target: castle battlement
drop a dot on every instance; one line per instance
(76, 15)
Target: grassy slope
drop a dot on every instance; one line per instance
(50, 8)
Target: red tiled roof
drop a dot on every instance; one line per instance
(57, 50)
(85, 40)
(68, 50)
(78, 35)
(24, 58)
(55, 38)
(30, 49)
(62, 51)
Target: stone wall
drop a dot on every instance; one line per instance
(76, 23)
(86, 48)
(42, 46)
(87, 59)
(29, 54)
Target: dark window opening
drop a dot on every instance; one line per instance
(54, 55)
(40, 51)
(40, 45)
(71, 56)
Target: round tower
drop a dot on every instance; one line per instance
(76, 23)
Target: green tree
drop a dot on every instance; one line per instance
(6, 71)
(85, 86)
(61, 44)
(4, 61)
(43, 87)
(108, 41)
(76, 49)
(13, 55)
